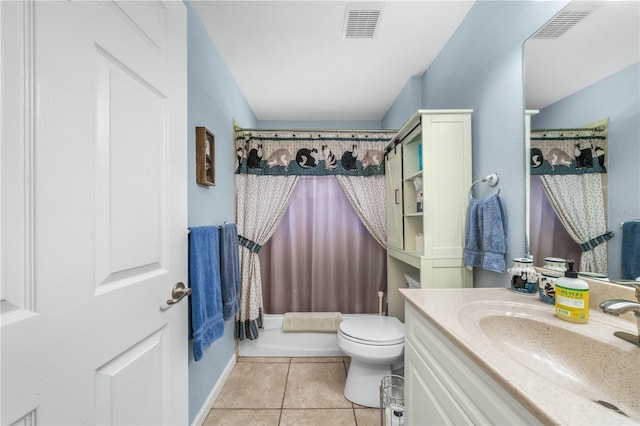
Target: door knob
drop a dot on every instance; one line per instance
(178, 292)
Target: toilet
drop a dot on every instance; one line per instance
(374, 343)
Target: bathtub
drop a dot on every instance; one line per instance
(273, 342)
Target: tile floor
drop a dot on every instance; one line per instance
(288, 391)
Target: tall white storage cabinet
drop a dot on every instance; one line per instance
(435, 146)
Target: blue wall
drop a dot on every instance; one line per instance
(618, 98)
(405, 105)
(214, 101)
(481, 67)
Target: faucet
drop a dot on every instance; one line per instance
(621, 306)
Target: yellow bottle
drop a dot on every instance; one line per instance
(572, 297)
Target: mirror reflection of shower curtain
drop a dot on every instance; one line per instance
(548, 237)
(579, 203)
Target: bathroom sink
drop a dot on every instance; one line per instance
(585, 360)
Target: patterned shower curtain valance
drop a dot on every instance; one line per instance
(306, 153)
(571, 152)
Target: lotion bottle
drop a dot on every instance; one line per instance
(572, 297)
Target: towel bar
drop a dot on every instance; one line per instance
(219, 226)
(491, 179)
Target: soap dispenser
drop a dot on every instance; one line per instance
(572, 297)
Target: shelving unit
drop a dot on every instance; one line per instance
(440, 142)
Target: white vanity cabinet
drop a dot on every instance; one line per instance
(434, 146)
(443, 386)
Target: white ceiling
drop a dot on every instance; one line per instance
(605, 42)
(291, 62)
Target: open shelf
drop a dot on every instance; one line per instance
(413, 176)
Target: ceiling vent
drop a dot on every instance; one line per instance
(568, 18)
(360, 22)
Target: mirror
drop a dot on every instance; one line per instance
(581, 67)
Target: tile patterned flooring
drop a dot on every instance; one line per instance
(288, 391)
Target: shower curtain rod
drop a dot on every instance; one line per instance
(600, 128)
(319, 130)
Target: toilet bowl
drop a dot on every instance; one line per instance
(374, 343)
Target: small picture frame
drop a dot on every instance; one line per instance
(205, 157)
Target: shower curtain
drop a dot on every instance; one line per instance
(268, 164)
(545, 223)
(332, 261)
(365, 195)
(260, 204)
(570, 163)
(578, 203)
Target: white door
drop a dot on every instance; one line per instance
(93, 212)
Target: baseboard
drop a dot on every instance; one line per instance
(211, 398)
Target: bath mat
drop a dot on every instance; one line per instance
(322, 322)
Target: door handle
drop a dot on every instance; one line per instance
(178, 292)
(396, 196)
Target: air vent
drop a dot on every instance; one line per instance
(561, 23)
(360, 23)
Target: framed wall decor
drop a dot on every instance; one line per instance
(205, 157)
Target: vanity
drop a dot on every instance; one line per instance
(492, 356)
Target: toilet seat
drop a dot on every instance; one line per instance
(373, 330)
(369, 342)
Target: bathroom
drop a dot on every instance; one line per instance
(480, 67)
(484, 160)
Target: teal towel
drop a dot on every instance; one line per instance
(229, 270)
(485, 234)
(631, 250)
(204, 279)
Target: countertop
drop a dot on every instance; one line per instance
(545, 399)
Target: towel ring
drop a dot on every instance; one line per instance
(491, 179)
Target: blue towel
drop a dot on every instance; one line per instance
(485, 235)
(631, 250)
(204, 280)
(229, 270)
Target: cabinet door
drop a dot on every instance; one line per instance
(393, 178)
(447, 142)
(427, 400)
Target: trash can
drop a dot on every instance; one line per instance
(392, 401)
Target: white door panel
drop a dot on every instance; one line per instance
(129, 180)
(117, 399)
(87, 335)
